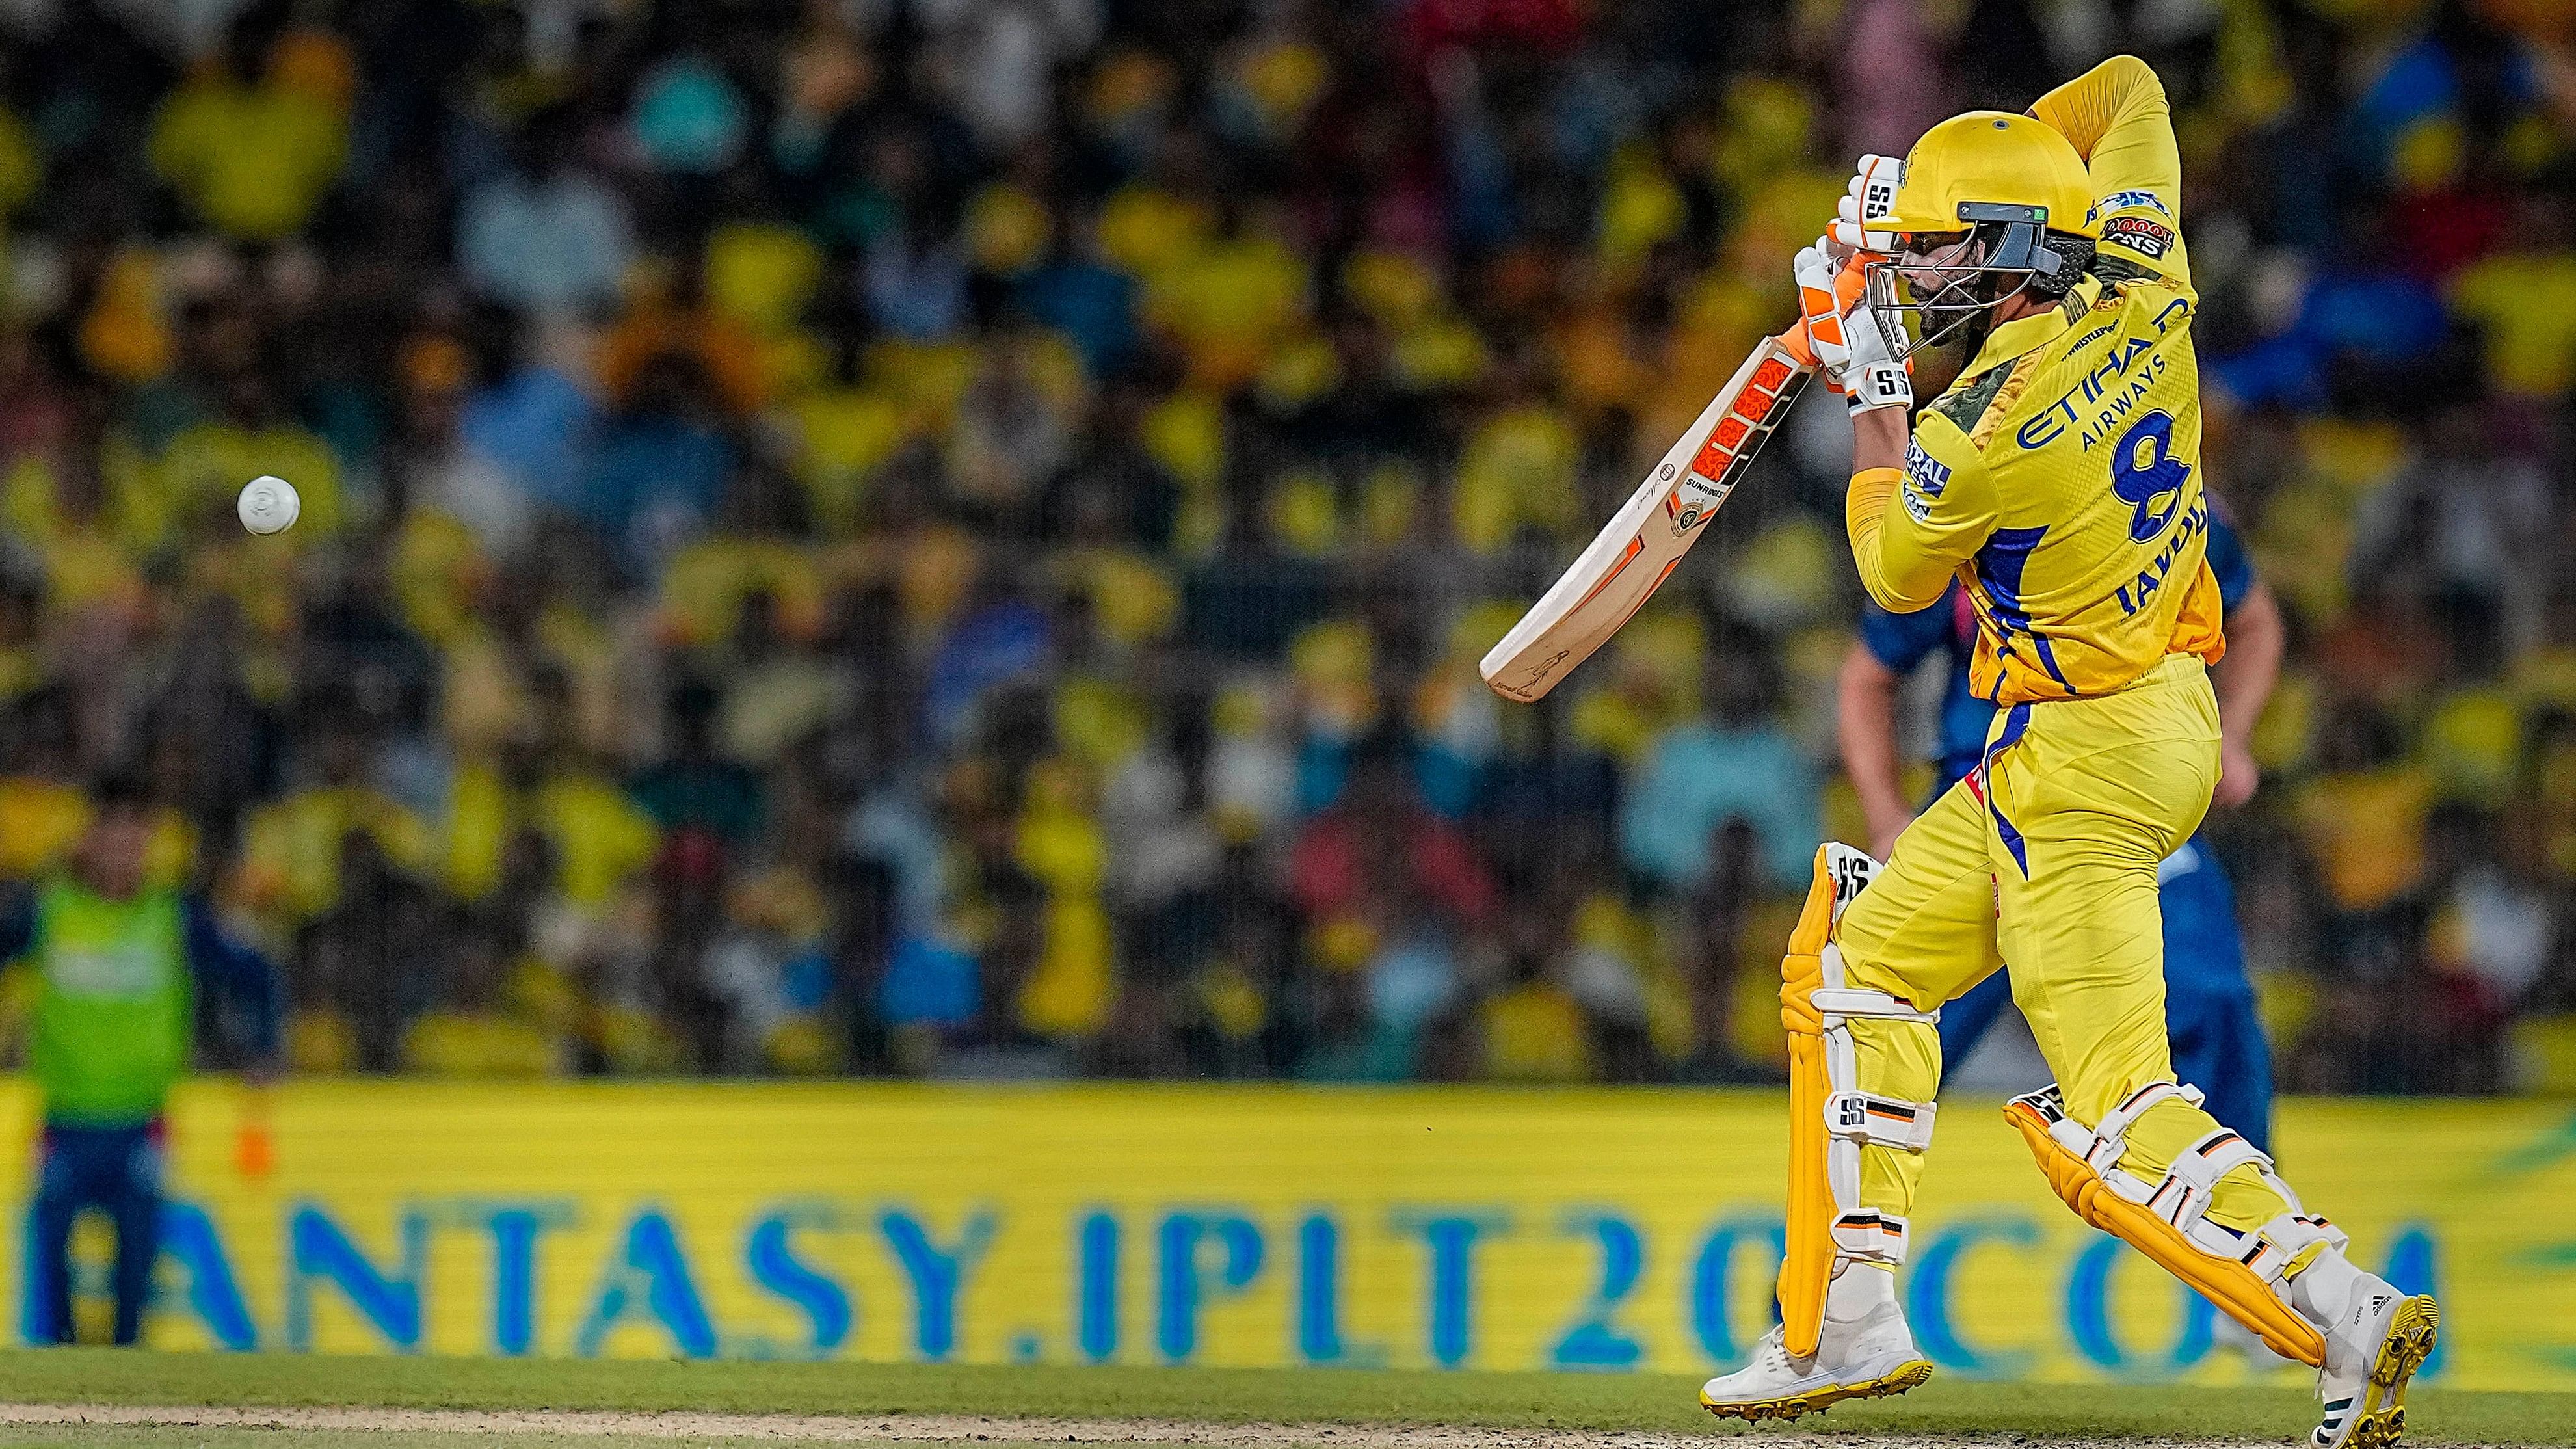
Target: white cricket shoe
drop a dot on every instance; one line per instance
(1865, 1352)
(2376, 1337)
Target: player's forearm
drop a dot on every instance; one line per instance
(2256, 640)
(1898, 575)
(1865, 716)
(1879, 436)
(1864, 508)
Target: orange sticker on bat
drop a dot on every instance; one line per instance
(1711, 460)
(1720, 448)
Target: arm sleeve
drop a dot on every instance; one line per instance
(1912, 527)
(2116, 117)
(1903, 641)
(220, 962)
(2228, 559)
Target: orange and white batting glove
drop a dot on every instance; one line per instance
(1870, 196)
(1850, 350)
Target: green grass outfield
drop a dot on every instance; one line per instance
(1630, 1402)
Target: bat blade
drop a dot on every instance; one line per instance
(1644, 541)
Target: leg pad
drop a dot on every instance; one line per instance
(2238, 1275)
(1830, 1118)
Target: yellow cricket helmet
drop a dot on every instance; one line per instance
(1987, 161)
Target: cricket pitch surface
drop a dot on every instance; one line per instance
(86, 1397)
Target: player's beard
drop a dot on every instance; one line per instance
(1962, 313)
(1957, 318)
(1950, 294)
(1975, 321)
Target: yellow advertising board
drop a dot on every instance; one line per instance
(1235, 1225)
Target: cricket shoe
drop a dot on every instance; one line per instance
(2375, 1341)
(1865, 1352)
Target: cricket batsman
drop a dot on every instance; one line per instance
(2058, 479)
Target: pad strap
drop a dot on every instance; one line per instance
(1871, 1236)
(2111, 1135)
(2283, 1239)
(1867, 1118)
(2184, 1194)
(1849, 1001)
(1832, 998)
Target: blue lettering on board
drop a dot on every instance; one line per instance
(389, 1300)
(649, 1278)
(936, 1273)
(1186, 1283)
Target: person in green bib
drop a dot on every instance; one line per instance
(118, 962)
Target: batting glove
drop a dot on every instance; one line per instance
(1849, 348)
(1871, 195)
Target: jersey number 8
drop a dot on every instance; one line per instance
(2144, 471)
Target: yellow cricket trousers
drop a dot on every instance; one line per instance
(2045, 859)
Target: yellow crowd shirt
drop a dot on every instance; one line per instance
(2059, 477)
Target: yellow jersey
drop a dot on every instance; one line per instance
(2059, 477)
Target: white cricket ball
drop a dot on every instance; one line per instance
(268, 505)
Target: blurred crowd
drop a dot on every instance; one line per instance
(952, 536)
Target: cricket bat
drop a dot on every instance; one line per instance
(1644, 542)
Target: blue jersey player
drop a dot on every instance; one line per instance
(2218, 1041)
